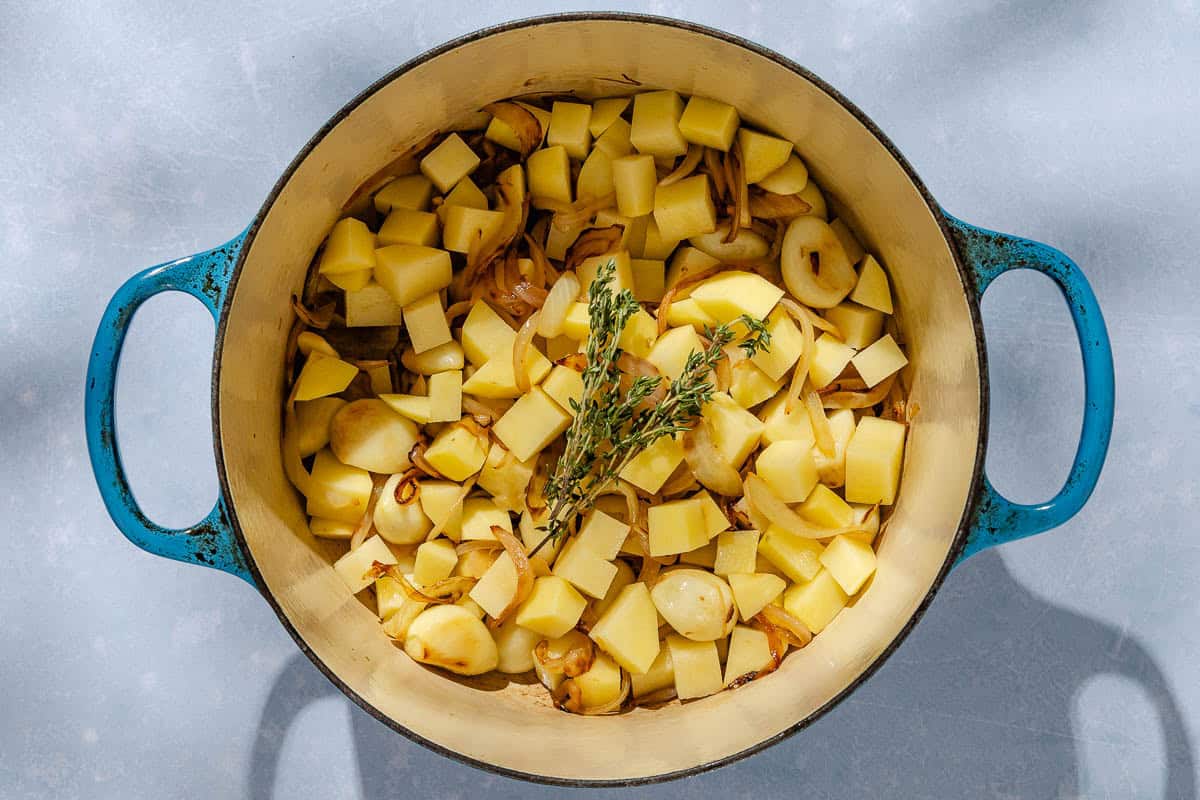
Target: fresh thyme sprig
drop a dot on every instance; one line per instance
(612, 427)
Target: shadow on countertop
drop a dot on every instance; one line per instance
(978, 702)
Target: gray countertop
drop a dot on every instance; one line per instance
(1060, 666)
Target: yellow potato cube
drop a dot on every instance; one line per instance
(639, 334)
(495, 590)
(323, 376)
(649, 469)
(531, 424)
(684, 209)
(654, 245)
(564, 384)
(350, 247)
(615, 142)
(601, 684)
(670, 353)
(595, 176)
(825, 508)
(449, 162)
(660, 675)
(735, 431)
(829, 357)
(785, 348)
(426, 322)
(479, 514)
(709, 122)
(880, 360)
(622, 276)
(873, 459)
(569, 128)
(602, 534)
(677, 526)
(816, 602)
(496, 379)
(445, 396)
(549, 171)
(655, 128)
(372, 306)
(312, 423)
(466, 227)
(331, 528)
(872, 289)
(502, 133)
(623, 578)
(789, 469)
(832, 469)
(413, 406)
(737, 551)
(484, 334)
(686, 261)
(405, 226)
(850, 243)
(728, 295)
(779, 425)
(649, 283)
(704, 556)
(750, 385)
(605, 112)
(858, 325)
(309, 342)
(749, 652)
(753, 591)
(435, 561)
(560, 347)
(850, 561)
(795, 556)
(587, 572)
(350, 281)
(410, 191)
(466, 194)
(697, 667)
(688, 312)
(634, 235)
(409, 272)
(337, 491)
(761, 154)
(578, 322)
(628, 629)
(505, 478)
(354, 568)
(791, 178)
(715, 520)
(456, 453)
(552, 608)
(440, 500)
(634, 180)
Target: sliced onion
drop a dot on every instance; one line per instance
(796, 633)
(537, 254)
(768, 205)
(574, 662)
(417, 457)
(516, 551)
(859, 399)
(477, 544)
(820, 423)
(800, 312)
(657, 698)
(559, 300)
(524, 124)
(319, 318)
(592, 243)
(716, 170)
(457, 310)
(800, 373)
(478, 411)
(712, 471)
(437, 528)
(614, 704)
(651, 567)
(572, 216)
(521, 351)
(532, 295)
(686, 167)
(664, 305)
(778, 513)
(367, 519)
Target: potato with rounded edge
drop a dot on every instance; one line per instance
(369, 434)
(697, 604)
(452, 638)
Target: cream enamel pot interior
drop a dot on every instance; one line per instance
(939, 266)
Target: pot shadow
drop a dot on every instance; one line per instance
(978, 702)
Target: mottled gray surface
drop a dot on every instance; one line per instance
(134, 131)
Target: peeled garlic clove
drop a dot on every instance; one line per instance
(697, 604)
(401, 520)
(453, 638)
(820, 285)
(746, 246)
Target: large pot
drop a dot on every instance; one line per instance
(939, 265)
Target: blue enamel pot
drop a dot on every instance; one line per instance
(940, 266)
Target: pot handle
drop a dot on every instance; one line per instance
(987, 255)
(210, 541)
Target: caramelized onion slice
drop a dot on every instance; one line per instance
(516, 551)
(778, 513)
(711, 470)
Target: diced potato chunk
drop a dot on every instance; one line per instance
(709, 122)
(425, 320)
(704, 556)
(779, 425)
(531, 424)
(405, 226)
(633, 238)
(564, 384)
(850, 561)
(785, 348)
(502, 133)
(639, 334)
(412, 406)
(337, 491)
(435, 561)
(735, 431)
(456, 452)
(449, 162)
(410, 191)
(560, 347)
(753, 591)
(791, 178)
(697, 667)
(832, 469)
(872, 289)
(795, 556)
(549, 172)
(622, 274)
(323, 376)
(677, 526)
(728, 295)
(587, 572)
(816, 602)
(601, 684)
(649, 283)
(789, 469)
(761, 154)
(577, 324)
(858, 325)
(368, 434)
(854, 250)
(737, 551)
(602, 534)
(437, 359)
(466, 227)
(634, 180)
(445, 396)
(595, 176)
(749, 652)
(496, 378)
(440, 502)
(605, 112)
(683, 210)
(484, 334)
(655, 128)
(825, 508)
(686, 261)
(715, 520)
(354, 568)
(350, 281)
(623, 578)
(654, 245)
(410, 272)
(670, 353)
(308, 343)
(750, 385)
(628, 630)
(331, 528)
(830, 356)
(372, 306)
(569, 128)
(465, 194)
(349, 248)
(614, 142)
(649, 469)
(688, 312)
(505, 478)
(880, 360)
(552, 608)
(312, 423)
(495, 590)
(873, 459)
(479, 514)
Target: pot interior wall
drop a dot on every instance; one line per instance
(511, 725)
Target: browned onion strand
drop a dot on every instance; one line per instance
(516, 552)
(573, 663)
(521, 348)
(664, 305)
(523, 123)
(768, 205)
(319, 318)
(686, 167)
(367, 520)
(857, 400)
(455, 507)
(592, 243)
(795, 632)
(613, 705)
(707, 465)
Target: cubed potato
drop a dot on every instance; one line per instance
(564, 385)
(615, 142)
(670, 353)
(785, 348)
(505, 478)
(456, 452)
(872, 289)
(660, 675)
(687, 312)
(437, 359)
(605, 112)
(825, 508)
(350, 247)
(709, 122)
(750, 385)
(601, 684)
(649, 469)
(737, 551)
(623, 578)
(873, 459)
(479, 514)
(381, 378)
(858, 325)
(409, 272)
(515, 645)
(797, 557)
(425, 319)
(435, 561)
(350, 281)
(749, 652)
(595, 176)
(753, 591)
(715, 520)
(811, 194)
(549, 171)
(308, 343)
(337, 491)
(445, 396)
(628, 630)
(569, 128)
(495, 590)
(779, 425)
(684, 209)
(449, 162)
(639, 334)
(677, 526)
(697, 667)
(622, 275)
(634, 180)
(577, 323)
(816, 602)
(440, 500)
(466, 227)
(850, 561)
(502, 133)
(789, 469)
(412, 406)
(655, 128)
(761, 154)
(587, 572)
(881, 359)
(831, 469)
(854, 250)
(654, 245)
(354, 568)
(552, 608)
(634, 235)
(531, 424)
(829, 357)
(728, 295)
(602, 534)
(496, 379)
(484, 334)
(649, 284)
(405, 226)
(791, 178)
(312, 423)
(735, 431)
(704, 556)
(368, 434)
(410, 191)
(687, 261)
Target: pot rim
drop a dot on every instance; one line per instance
(965, 276)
